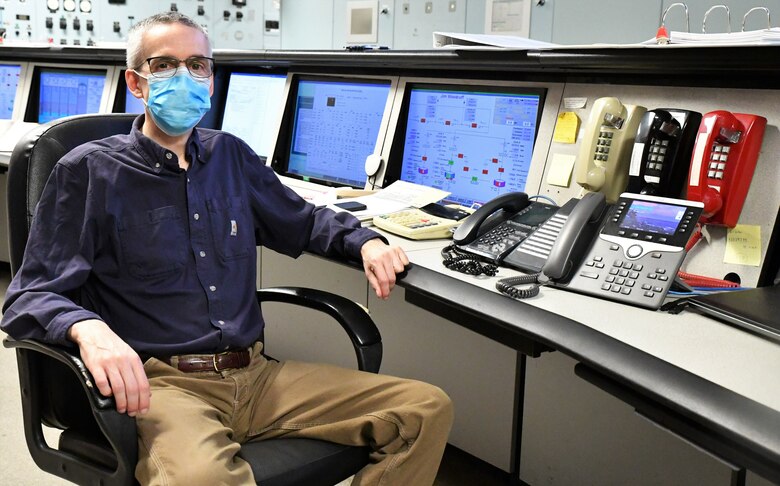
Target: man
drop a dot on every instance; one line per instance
(142, 253)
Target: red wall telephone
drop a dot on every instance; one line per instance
(723, 162)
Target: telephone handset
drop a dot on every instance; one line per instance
(662, 152)
(490, 214)
(724, 159)
(605, 150)
(575, 238)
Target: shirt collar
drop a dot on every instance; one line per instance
(155, 155)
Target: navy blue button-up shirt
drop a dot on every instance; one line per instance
(166, 257)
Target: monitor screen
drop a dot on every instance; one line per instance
(335, 125)
(9, 80)
(252, 109)
(64, 92)
(475, 142)
(133, 104)
(124, 101)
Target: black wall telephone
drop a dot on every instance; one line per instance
(500, 224)
(662, 152)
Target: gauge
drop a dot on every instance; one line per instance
(53, 5)
(85, 6)
(69, 5)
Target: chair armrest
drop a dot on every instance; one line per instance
(71, 360)
(353, 318)
(106, 428)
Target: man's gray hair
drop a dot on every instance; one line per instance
(135, 49)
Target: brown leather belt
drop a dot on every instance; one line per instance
(190, 363)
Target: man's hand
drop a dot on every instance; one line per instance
(381, 262)
(116, 368)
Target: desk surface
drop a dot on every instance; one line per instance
(710, 373)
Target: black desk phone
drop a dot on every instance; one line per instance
(501, 224)
(629, 252)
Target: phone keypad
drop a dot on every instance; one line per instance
(718, 158)
(657, 155)
(500, 240)
(603, 144)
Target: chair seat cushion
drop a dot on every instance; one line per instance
(309, 462)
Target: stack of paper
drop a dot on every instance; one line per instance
(453, 40)
(751, 37)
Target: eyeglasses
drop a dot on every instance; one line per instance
(165, 67)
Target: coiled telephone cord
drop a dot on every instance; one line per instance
(509, 286)
(459, 261)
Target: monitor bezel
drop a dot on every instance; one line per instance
(394, 156)
(280, 159)
(33, 89)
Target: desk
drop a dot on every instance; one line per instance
(705, 380)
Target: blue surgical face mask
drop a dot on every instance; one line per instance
(177, 104)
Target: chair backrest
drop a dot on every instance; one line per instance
(33, 159)
(31, 163)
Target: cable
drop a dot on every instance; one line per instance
(701, 281)
(462, 262)
(546, 198)
(509, 286)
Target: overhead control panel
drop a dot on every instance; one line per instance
(232, 24)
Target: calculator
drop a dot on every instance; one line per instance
(416, 224)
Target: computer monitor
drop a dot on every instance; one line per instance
(10, 75)
(334, 123)
(58, 92)
(472, 140)
(253, 109)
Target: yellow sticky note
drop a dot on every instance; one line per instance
(743, 245)
(560, 169)
(566, 127)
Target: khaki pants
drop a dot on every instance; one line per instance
(197, 421)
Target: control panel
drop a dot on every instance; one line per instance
(232, 24)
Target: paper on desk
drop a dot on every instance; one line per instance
(395, 197)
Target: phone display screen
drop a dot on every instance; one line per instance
(653, 217)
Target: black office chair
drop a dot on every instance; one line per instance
(98, 445)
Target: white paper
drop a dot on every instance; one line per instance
(509, 17)
(395, 197)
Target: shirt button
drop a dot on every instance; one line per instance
(157, 165)
(213, 288)
(202, 254)
(221, 323)
(196, 216)
(168, 155)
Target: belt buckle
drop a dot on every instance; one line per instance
(214, 360)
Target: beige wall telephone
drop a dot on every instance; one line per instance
(605, 151)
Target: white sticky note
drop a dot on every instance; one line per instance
(574, 103)
(561, 166)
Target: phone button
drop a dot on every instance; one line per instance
(634, 251)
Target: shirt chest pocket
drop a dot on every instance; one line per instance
(153, 242)
(231, 228)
